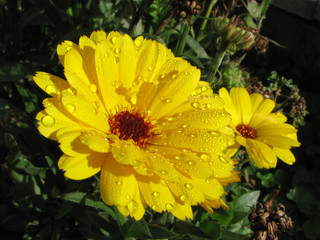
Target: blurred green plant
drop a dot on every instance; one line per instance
(37, 202)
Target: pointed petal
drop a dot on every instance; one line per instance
(50, 84)
(261, 154)
(285, 155)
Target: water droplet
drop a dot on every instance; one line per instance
(223, 159)
(113, 40)
(169, 207)
(174, 76)
(138, 43)
(72, 91)
(184, 198)
(117, 50)
(106, 55)
(128, 196)
(71, 108)
(93, 88)
(188, 186)
(95, 111)
(195, 104)
(168, 100)
(204, 88)
(215, 133)
(52, 90)
(96, 104)
(205, 157)
(116, 59)
(151, 67)
(132, 207)
(163, 172)
(48, 121)
(191, 163)
(208, 181)
(154, 207)
(156, 194)
(163, 76)
(118, 182)
(186, 125)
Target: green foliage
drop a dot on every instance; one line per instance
(38, 202)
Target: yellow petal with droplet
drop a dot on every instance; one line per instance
(285, 155)
(261, 154)
(50, 84)
(127, 153)
(63, 48)
(117, 182)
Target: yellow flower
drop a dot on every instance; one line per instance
(133, 111)
(265, 135)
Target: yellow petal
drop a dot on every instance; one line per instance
(261, 154)
(200, 140)
(98, 36)
(118, 184)
(97, 142)
(63, 48)
(84, 111)
(50, 84)
(285, 155)
(242, 103)
(229, 106)
(202, 89)
(48, 125)
(182, 211)
(110, 84)
(256, 99)
(279, 141)
(265, 108)
(127, 153)
(156, 194)
(275, 129)
(82, 166)
(71, 144)
(179, 81)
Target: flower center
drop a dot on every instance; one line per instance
(131, 125)
(246, 131)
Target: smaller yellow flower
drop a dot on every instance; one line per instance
(265, 135)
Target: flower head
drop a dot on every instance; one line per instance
(133, 111)
(265, 135)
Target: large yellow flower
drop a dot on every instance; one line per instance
(132, 110)
(265, 135)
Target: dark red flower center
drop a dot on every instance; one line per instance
(131, 125)
(246, 131)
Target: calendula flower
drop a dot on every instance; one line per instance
(264, 134)
(133, 111)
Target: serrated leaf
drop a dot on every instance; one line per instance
(139, 230)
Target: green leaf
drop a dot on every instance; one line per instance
(12, 72)
(139, 230)
(267, 180)
(211, 229)
(88, 200)
(243, 204)
(158, 232)
(196, 47)
(223, 215)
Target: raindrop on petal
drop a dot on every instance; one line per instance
(52, 90)
(156, 194)
(71, 108)
(48, 121)
(93, 88)
(184, 198)
(132, 206)
(188, 186)
(169, 207)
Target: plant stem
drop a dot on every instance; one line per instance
(183, 39)
(217, 60)
(205, 20)
(138, 15)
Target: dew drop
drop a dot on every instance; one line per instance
(195, 104)
(128, 196)
(106, 55)
(93, 88)
(188, 186)
(96, 104)
(154, 207)
(174, 76)
(118, 182)
(163, 76)
(184, 198)
(71, 108)
(185, 125)
(156, 194)
(113, 40)
(205, 157)
(52, 90)
(169, 207)
(204, 88)
(117, 50)
(138, 43)
(163, 172)
(48, 121)
(72, 91)
(95, 111)
(191, 163)
(151, 67)
(116, 60)
(223, 159)
(132, 206)
(168, 100)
